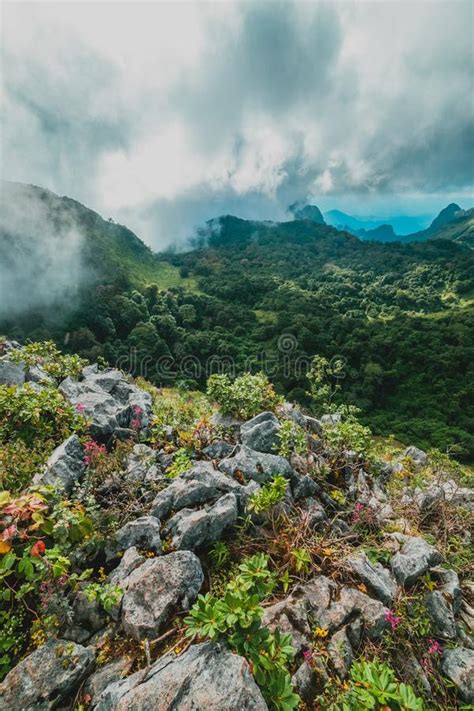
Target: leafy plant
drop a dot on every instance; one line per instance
(219, 554)
(49, 357)
(348, 434)
(181, 463)
(292, 439)
(107, 595)
(373, 685)
(269, 495)
(236, 616)
(301, 560)
(32, 423)
(245, 397)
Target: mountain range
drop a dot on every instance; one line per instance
(451, 223)
(397, 315)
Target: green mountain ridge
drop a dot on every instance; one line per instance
(397, 316)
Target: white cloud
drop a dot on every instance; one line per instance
(162, 113)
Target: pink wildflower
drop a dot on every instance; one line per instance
(392, 619)
(80, 407)
(138, 410)
(308, 655)
(435, 647)
(358, 510)
(93, 450)
(136, 424)
(8, 533)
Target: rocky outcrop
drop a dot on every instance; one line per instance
(157, 588)
(261, 433)
(109, 400)
(207, 677)
(143, 532)
(259, 466)
(12, 374)
(458, 665)
(199, 485)
(375, 576)
(189, 529)
(65, 467)
(47, 677)
(413, 560)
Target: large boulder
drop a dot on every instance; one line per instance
(189, 529)
(375, 576)
(156, 589)
(11, 373)
(201, 484)
(413, 560)
(207, 677)
(65, 467)
(261, 433)
(109, 400)
(259, 466)
(458, 665)
(46, 677)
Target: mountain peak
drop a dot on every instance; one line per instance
(447, 215)
(302, 211)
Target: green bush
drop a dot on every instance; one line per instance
(245, 397)
(237, 617)
(50, 358)
(269, 495)
(32, 424)
(373, 685)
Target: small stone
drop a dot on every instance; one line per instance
(340, 653)
(65, 467)
(205, 677)
(313, 425)
(419, 457)
(12, 374)
(218, 450)
(143, 532)
(441, 614)
(191, 529)
(308, 681)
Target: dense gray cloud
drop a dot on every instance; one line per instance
(164, 115)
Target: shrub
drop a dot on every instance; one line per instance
(373, 685)
(270, 494)
(245, 397)
(292, 439)
(32, 424)
(348, 434)
(237, 617)
(50, 358)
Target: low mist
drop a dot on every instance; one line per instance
(40, 251)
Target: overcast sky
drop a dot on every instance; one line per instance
(164, 115)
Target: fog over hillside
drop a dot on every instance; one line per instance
(40, 250)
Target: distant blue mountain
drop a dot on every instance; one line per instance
(402, 224)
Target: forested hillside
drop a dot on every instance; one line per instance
(394, 321)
